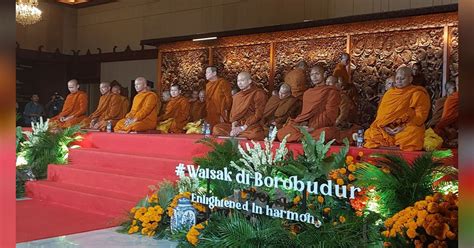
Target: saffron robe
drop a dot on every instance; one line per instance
(408, 107)
(296, 78)
(279, 110)
(247, 109)
(437, 112)
(177, 109)
(144, 110)
(341, 71)
(117, 109)
(197, 111)
(320, 110)
(449, 117)
(218, 101)
(103, 105)
(76, 106)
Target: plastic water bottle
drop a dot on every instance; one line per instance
(360, 138)
(270, 131)
(203, 127)
(207, 134)
(109, 126)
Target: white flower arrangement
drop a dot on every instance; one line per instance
(188, 184)
(257, 159)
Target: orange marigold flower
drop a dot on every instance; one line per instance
(360, 153)
(385, 234)
(351, 167)
(326, 210)
(320, 199)
(433, 207)
(349, 159)
(243, 194)
(342, 219)
(351, 177)
(339, 181)
(359, 213)
(342, 171)
(387, 244)
(411, 233)
(297, 199)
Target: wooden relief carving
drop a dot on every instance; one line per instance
(321, 51)
(377, 56)
(255, 59)
(453, 56)
(186, 68)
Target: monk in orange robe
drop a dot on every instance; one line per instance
(177, 110)
(218, 98)
(198, 107)
(447, 125)
(401, 115)
(439, 106)
(296, 78)
(118, 108)
(165, 98)
(143, 115)
(104, 103)
(319, 113)
(331, 80)
(281, 107)
(342, 69)
(247, 111)
(74, 108)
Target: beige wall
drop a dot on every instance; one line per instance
(57, 29)
(126, 22)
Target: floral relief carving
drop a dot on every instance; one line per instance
(453, 56)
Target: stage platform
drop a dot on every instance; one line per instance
(112, 171)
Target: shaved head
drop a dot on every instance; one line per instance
(331, 80)
(244, 81)
(403, 77)
(317, 75)
(104, 87)
(73, 86)
(285, 91)
(141, 84)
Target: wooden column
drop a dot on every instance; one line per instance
(159, 83)
(271, 79)
(210, 58)
(445, 59)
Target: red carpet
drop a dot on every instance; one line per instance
(47, 220)
(107, 177)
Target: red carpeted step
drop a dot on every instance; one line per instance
(92, 200)
(131, 181)
(148, 144)
(129, 162)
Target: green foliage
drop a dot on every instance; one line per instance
(405, 184)
(19, 138)
(315, 164)
(48, 147)
(221, 154)
(236, 230)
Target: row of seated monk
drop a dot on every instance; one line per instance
(399, 122)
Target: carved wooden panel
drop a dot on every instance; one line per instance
(255, 59)
(186, 68)
(321, 51)
(377, 56)
(453, 56)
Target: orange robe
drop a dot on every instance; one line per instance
(279, 110)
(198, 111)
(296, 78)
(409, 107)
(75, 105)
(341, 71)
(247, 109)
(450, 115)
(320, 110)
(345, 122)
(144, 110)
(178, 109)
(437, 112)
(103, 105)
(117, 109)
(218, 101)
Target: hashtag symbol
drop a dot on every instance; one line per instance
(180, 170)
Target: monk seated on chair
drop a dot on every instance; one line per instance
(176, 114)
(281, 107)
(118, 108)
(447, 126)
(74, 108)
(401, 115)
(319, 113)
(143, 115)
(92, 122)
(246, 113)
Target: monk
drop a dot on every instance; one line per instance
(342, 69)
(218, 98)
(177, 112)
(439, 106)
(447, 125)
(347, 118)
(319, 113)
(331, 80)
(92, 121)
(74, 108)
(247, 111)
(281, 107)
(118, 108)
(143, 115)
(198, 107)
(401, 115)
(165, 98)
(296, 78)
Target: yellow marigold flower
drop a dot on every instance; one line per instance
(437, 196)
(339, 181)
(393, 233)
(351, 177)
(151, 234)
(334, 223)
(450, 235)
(134, 222)
(420, 205)
(333, 175)
(359, 213)
(342, 219)
(342, 171)
(385, 234)
(243, 194)
(320, 199)
(361, 153)
(351, 167)
(349, 159)
(132, 229)
(326, 210)
(429, 198)
(133, 210)
(433, 207)
(297, 199)
(411, 233)
(144, 230)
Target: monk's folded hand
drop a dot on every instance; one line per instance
(389, 130)
(398, 129)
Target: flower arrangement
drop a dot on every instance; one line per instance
(199, 207)
(432, 222)
(193, 234)
(146, 219)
